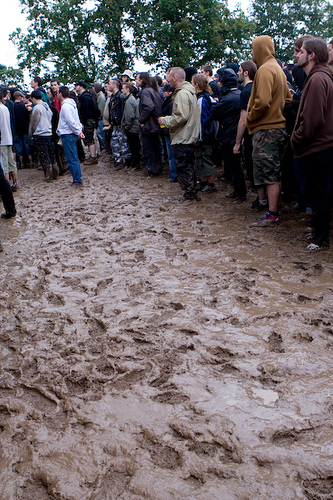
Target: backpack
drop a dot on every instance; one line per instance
(208, 126)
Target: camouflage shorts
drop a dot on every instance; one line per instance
(268, 149)
(89, 130)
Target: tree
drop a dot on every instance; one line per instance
(9, 75)
(184, 32)
(285, 21)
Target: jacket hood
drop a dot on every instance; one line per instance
(70, 102)
(186, 86)
(228, 78)
(263, 49)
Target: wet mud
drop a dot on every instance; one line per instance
(152, 349)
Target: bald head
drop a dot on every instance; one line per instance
(175, 77)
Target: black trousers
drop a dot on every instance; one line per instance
(6, 194)
(183, 154)
(317, 167)
(134, 145)
(234, 164)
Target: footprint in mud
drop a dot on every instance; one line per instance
(38, 401)
(96, 326)
(114, 486)
(275, 342)
(320, 488)
(161, 455)
(171, 398)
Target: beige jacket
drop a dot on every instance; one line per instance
(184, 123)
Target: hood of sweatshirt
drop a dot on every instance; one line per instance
(70, 102)
(229, 80)
(263, 49)
(185, 86)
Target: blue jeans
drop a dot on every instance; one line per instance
(172, 165)
(101, 135)
(69, 143)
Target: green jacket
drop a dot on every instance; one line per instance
(184, 123)
(130, 119)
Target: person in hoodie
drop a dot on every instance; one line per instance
(312, 138)
(184, 126)
(130, 124)
(227, 113)
(40, 129)
(70, 130)
(266, 123)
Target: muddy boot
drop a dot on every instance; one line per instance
(55, 171)
(48, 174)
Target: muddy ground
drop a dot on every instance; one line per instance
(156, 350)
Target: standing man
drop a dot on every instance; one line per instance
(40, 129)
(246, 73)
(6, 144)
(88, 112)
(36, 84)
(208, 72)
(312, 138)
(184, 126)
(55, 84)
(266, 123)
(70, 130)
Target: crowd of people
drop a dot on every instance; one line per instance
(271, 126)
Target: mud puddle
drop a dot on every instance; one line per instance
(155, 350)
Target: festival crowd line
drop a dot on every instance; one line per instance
(269, 124)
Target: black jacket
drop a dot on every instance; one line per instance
(88, 107)
(150, 110)
(116, 108)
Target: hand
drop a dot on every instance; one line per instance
(236, 149)
(160, 120)
(81, 135)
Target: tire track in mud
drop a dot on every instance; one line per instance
(152, 350)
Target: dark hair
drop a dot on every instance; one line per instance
(159, 80)
(117, 83)
(319, 47)
(36, 94)
(250, 67)
(145, 79)
(299, 42)
(52, 91)
(55, 80)
(153, 84)
(38, 80)
(129, 86)
(73, 96)
(64, 91)
(1, 95)
(98, 87)
(207, 69)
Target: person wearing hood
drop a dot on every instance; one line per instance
(40, 129)
(70, 130)
(184, 126)
(266, 123)
(227, 113)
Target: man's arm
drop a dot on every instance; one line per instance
(240, 130)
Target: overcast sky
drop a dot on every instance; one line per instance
(15, 19)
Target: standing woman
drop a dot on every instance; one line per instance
(150, 110)
(203, 152)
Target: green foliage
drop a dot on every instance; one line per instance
(10, 76)
(186, 32)
(285, 21)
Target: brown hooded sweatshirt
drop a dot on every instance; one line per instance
(313, 130)
(270, 90)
